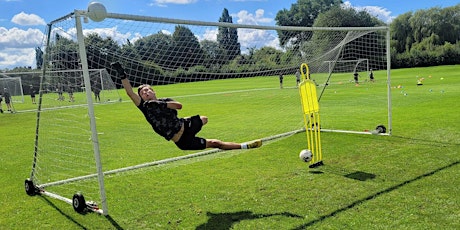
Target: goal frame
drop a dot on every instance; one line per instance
(386, 29)
(357, 62)
(77, 201)
(19, 92)
(79, 15)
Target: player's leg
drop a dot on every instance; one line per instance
(204, 119)
(214, 143)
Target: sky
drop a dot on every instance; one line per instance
(23, 22)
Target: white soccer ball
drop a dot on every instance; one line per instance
(306, 155)
(96, 11)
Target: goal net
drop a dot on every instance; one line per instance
(62, 80)
(349, 66)
(12, 86)
(230, 73)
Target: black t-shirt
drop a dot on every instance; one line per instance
(163, 120)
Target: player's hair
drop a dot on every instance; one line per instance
(143, 86)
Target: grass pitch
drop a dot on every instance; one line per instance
(404, 181)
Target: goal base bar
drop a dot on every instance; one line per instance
(316, 165)
(353, 132)
(70, 201)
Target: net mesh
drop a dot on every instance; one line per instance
(12, 86)
(240, 76)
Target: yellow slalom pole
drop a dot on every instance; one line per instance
(310, 108)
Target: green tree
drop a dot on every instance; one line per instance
(426, 37)
(186, 50)
(213, 53)
(346, 17)
(401, 33)
(342, 17)
(129, 52)
(267, 57)
(39, 57)
(100, 51)
(155, 48)
(64, 54)
(303, 14)
(228, 38)
(448, 26)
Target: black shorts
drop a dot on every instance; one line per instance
(189, 140)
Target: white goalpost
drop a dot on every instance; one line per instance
(23, 83)
(13, 86)
(348, 66)
(209, 67)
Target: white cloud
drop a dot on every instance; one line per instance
(112, 32)
(209, 34)
(24, 19)
(248, 0)
(17, 46)
(164, 2)
(13, 57)
(18, 38)
(244, 17)
(376, 11)
(250, 38)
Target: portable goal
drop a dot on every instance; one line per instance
(13, 86)
(208, 66)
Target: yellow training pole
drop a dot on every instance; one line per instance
(310, 108)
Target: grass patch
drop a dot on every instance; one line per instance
(404, 181)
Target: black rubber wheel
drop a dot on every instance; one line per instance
(381, 129)
(78, 203)
(30, 187)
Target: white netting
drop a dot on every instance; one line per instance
(11, 86)
(228, 72)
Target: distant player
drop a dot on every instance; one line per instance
(356, 77)
(371, 76)
(97, 91)
(297, 77)
(281, 81)
(1, 108)
(32, 94)
(161, 113)
(7, 96)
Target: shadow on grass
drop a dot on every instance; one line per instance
(113, 222)
(108, 217)
(356, 175)
(62, 213)
(375, 195)
(225, 221)
(361, 176)
(421, 141)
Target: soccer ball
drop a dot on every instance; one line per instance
(305, 155)
(96, 11)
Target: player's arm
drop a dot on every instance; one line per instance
(129, 91)
(174, 105)
(126, 84)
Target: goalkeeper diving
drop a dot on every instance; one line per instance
(161, 113)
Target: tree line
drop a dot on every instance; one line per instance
(421, 38)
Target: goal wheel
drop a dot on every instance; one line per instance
(381, 129)
(31, 190)
(78, 202)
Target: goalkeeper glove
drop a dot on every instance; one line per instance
(121, 72)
